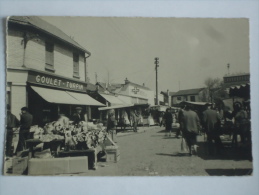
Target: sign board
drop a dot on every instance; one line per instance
(55, 81)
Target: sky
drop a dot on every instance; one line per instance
(189, 49)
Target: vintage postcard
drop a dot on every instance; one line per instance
(118, 96)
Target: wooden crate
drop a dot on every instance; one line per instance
(112, 155)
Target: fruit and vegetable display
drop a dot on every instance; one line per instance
(76, 136)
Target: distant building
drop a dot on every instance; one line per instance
(193, 95)
(128, 92)
(167, 98)
(238, 79)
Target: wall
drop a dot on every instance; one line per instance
(35, 55)
(14, 48)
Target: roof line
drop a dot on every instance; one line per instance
(36, 27)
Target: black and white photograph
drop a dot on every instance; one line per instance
(127, 96)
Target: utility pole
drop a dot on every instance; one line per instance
(228, 68)
(157, 65)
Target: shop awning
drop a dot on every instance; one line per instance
(116, 107)
(85, 99)
(65, 97)
(55, 96)
(112, 99)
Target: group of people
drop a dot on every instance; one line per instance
(22, 127)
(12, 125)
(210, 121)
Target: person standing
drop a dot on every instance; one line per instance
(241, 123)
(211, 122)
(25, 125)
(191, 124)
(11, 124)
(111, 125)
(77, 116)
(168, 117)
(180, 121)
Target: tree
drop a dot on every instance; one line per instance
(214, 90)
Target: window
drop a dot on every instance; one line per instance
(76, 65)
(192, 98)
(179, 98)
(49, 56)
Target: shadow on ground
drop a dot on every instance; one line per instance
(174, 155)
(229, 172)
(228, 152)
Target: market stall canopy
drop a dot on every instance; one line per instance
(242, 90)
(65, 97)
(159, 108)
(116, 107)
(85, 99)
(195, 103)
(112, 99)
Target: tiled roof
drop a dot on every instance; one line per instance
(188, 92)
(46, 27)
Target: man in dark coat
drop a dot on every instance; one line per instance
(134, 120)
(168, 117)
(24, 134)
(191, 125)
(180, 120)
(77, 116)
(211, 122)
(11, 123)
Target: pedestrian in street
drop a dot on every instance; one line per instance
(241, 123)
(134, 120)
(180, 120)
(161, 116)
(111, 125)
(211, 122)
(168, 117)
(11, 124)
(25, 125)
(77, 116)
(191, 125)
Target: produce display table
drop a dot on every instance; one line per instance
(31, 143)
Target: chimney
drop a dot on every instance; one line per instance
(126, 81)
(143, 84)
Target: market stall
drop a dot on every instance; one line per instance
(57, 143)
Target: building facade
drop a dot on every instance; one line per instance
(46, 70)
(193, 95)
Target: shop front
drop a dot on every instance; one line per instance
(48, 95)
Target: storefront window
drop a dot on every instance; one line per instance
(76, 65)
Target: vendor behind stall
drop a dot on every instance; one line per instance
(77, 117)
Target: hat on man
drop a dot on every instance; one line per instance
(78, 108)
(24, 109)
